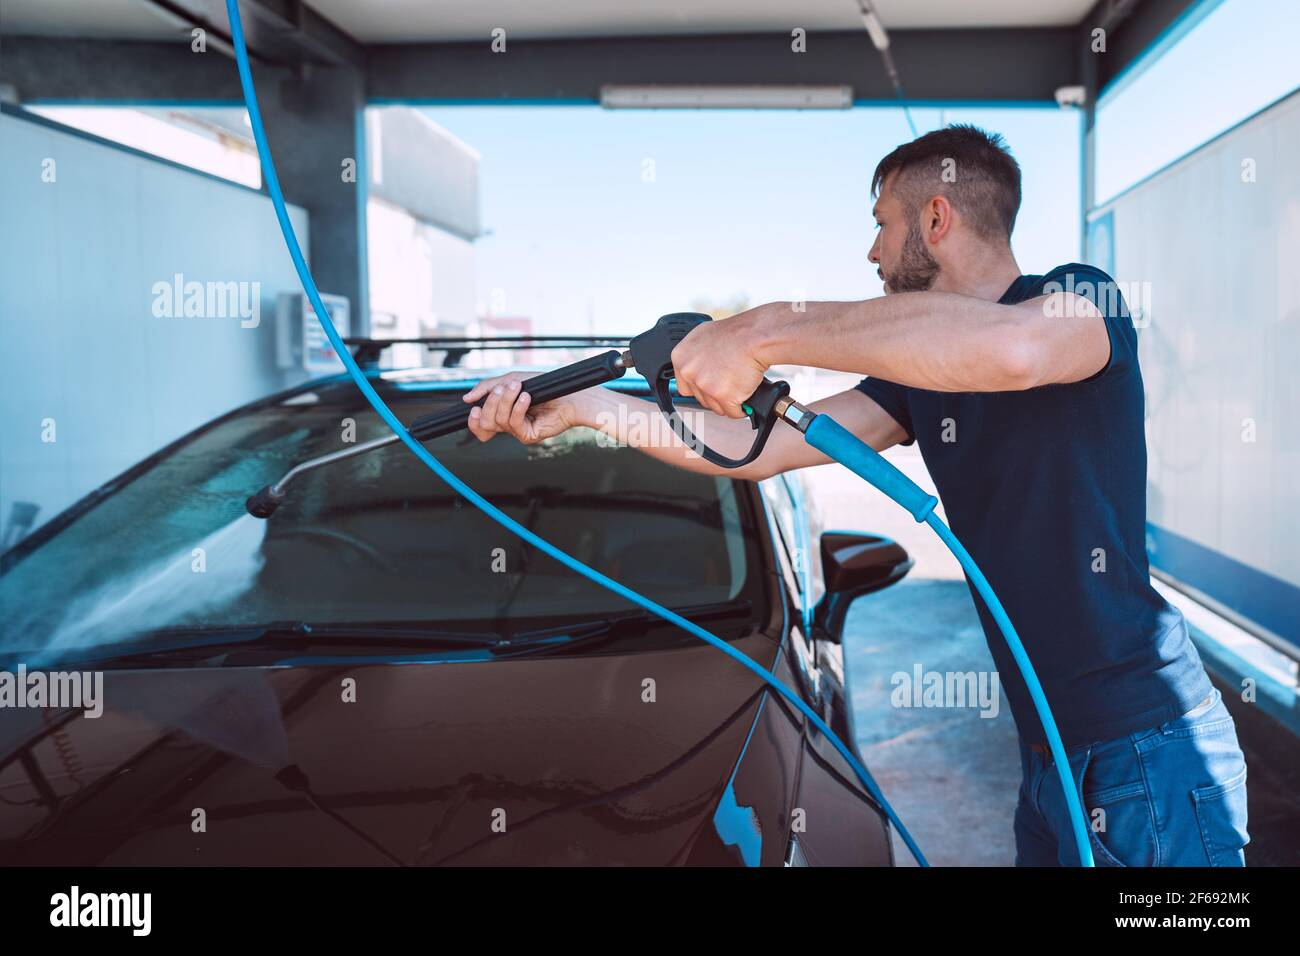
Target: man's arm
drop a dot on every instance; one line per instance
(940, 341)
(639, 423)
(943, 341)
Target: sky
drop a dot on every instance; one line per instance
(603, 220)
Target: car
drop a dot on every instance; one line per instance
(381, 675)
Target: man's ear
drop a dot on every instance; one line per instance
(938, 215)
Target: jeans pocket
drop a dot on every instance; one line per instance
(1120, 822)
(1200, 721)
(1221, 815)
(1204, 706)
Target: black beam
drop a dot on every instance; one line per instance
(943, 65)
(60, 68)
(935, 65)
(314, 123)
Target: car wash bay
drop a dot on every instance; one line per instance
(373, 109)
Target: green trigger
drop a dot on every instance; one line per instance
(748, 410)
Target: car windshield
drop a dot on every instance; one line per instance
(375, 538)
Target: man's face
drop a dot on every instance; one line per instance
(900, 253)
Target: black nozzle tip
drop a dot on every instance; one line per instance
(264, 503)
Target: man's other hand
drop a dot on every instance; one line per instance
(508, 409)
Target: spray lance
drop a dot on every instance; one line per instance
(651, 354)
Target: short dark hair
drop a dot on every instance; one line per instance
(973, 168)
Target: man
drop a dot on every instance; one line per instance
(1025, 397)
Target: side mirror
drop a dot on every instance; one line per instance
(854, 564)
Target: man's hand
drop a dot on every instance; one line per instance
(508, 409)
(717, 363)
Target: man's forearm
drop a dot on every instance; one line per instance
(640, 424)
(935, 340)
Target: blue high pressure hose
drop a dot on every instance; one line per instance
(822, 432)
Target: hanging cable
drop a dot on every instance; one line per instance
(880, 40)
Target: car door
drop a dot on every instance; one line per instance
(839, 826)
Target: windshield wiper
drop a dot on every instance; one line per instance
(563, 636)
(169, 643)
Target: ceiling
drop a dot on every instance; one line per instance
(411, 21)
(399, 21)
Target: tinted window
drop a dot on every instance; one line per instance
(374, 538)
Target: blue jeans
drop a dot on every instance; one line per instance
(1172, 795)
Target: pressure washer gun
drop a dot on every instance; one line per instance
(649, 353)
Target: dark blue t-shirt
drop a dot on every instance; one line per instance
(1046, 488)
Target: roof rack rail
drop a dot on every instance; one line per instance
(368, 350)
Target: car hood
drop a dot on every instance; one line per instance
(609, 759)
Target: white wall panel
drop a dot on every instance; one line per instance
(1221, 255)
(79, 258)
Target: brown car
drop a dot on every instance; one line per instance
(380, 674)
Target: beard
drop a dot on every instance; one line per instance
(916, 269)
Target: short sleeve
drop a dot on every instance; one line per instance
(1107, 295)
(892, 397)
